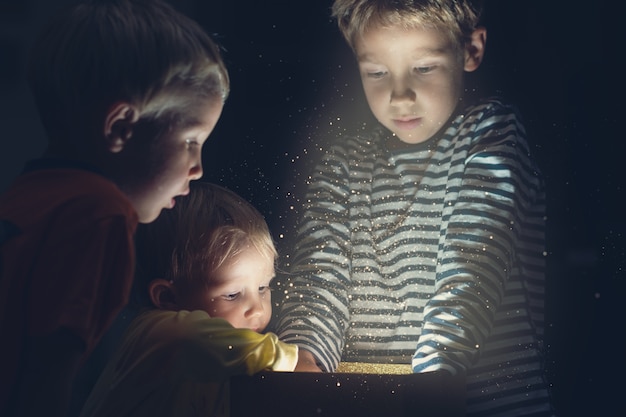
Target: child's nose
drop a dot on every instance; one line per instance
(196, 171)
(402, 91)
(255, 308)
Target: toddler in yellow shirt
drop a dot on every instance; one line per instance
(203, 272)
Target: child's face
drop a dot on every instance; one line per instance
(239, 291)
(166, 168)
(412, 79)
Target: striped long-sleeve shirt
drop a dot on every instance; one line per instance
(431, 254)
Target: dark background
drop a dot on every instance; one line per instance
(295, 87)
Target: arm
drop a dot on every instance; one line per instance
(307, 362)
(76, 290)
(211, 348)
(314, 313)
(499, 202)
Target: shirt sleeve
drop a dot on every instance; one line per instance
(315, 312)
(494, 210)
(211, 348)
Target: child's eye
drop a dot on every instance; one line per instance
(191, 143)
(231, 297)
(264, 289)
(376, 74)
(424, 70)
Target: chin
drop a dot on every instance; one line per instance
(149, 217)
(411, 139)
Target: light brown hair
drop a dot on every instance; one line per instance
(188, 243)
(99, 52)
(456, 18)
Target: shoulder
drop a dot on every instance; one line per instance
(155, 322)
(487, 121)
(180, 319)
(99, 189)
(494, 128)
(98, 203)
(91, 194)
(491, 111)
(71, 196)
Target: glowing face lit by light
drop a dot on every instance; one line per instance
(412, 79)
(239, 291)
(164, 170)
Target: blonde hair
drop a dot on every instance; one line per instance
(204, 230)
(103, 51)
(456, 18)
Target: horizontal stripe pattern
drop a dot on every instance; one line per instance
(431, 255)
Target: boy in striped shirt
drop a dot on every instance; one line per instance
(422, 240)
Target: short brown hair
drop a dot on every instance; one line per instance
(458, 18)
(99, 52)
(188, 243)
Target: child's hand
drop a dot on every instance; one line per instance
(306, 362)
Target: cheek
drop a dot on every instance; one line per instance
(230, 316)
(198, 301)
(216, 308)
(168, 166)
(454, 84)
(267, 303)
(377, 99)
(442, 96)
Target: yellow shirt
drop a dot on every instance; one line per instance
(177, 363)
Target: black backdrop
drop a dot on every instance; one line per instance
(295, 86)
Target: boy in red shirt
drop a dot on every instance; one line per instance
(127, 91)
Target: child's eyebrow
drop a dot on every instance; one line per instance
(433, 51)
(189, 123)
(418, 52)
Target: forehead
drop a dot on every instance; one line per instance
(378, 42)
(200, 112)
(179, 111)
(247, 265)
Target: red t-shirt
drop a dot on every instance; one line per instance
(70, 265)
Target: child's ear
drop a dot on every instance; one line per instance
(162, 294)
(118, 125)
(475, 49)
